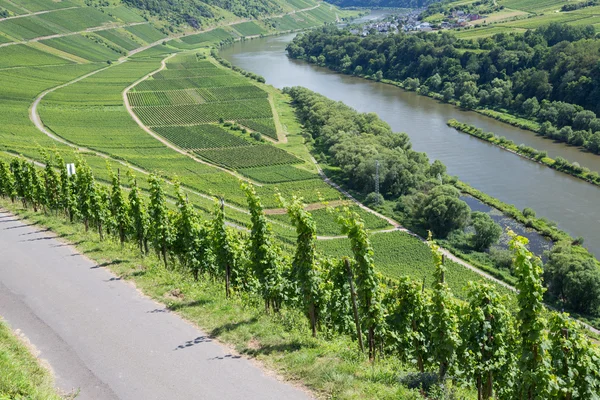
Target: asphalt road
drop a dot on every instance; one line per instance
(101, 336)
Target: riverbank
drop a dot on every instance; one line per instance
(559, 164)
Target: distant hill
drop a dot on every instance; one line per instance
(384, 3)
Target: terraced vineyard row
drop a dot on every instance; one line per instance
(204, 113)
(200, 137)
(249, 156)
(278, 174)
(196, 96)
(189, 83)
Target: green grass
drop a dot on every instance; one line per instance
(146, 32)
(21, 375)
(21, 55)
(533, 5)
(327, 225)
(248, 29)
(248, 157)
(83, 47)
(265, 126)
(41, 5)
(278, 174)
(398, 254)
(13, 7)
(201, 137)
(76, 19)
(124, 14)
(216, 35)
(28, 28)
(120, 37)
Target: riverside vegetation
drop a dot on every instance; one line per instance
(559, 164)
(451, 344)
(544, 77)
(422, 196)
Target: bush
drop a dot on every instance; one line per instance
(528, 212)
(417, 380)
(374, 199)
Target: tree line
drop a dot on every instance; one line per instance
(424, 197)
(527, 354)
(548, 75)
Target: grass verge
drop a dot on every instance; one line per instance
(21, 374)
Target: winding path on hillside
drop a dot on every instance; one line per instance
(102, 336)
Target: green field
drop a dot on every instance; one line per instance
(21, 55)
(84, 47)
(201, 137)
(121, 38)
(21, 376)
(248, 29)
(146, 32)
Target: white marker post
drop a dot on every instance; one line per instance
(70, 169)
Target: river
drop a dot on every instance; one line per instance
(572, 203)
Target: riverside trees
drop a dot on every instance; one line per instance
(548, 75)
(470, 341)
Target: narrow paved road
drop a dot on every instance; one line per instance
(101, 335)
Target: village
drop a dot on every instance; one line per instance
(410, 22)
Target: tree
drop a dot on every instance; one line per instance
(161, 232)
(305, 266)
(487, 232)
(442, 211)
(468, 101)
(138, 214)
(222, 250)
(573, 278)
(364, 270)
(531, 107)
(534, 363)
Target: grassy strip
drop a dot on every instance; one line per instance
(330, 365)
(530, 153)
(21, 375)
(511, 119)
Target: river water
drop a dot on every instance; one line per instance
(572, 203)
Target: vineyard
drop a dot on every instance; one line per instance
(184, 102)
(338, 296)
(83, 47)
(249, 156)
(201, 137)
(278, 174)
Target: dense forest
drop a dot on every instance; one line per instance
(383, 3)
(549, 75)
(192, 12)
(424, 197)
